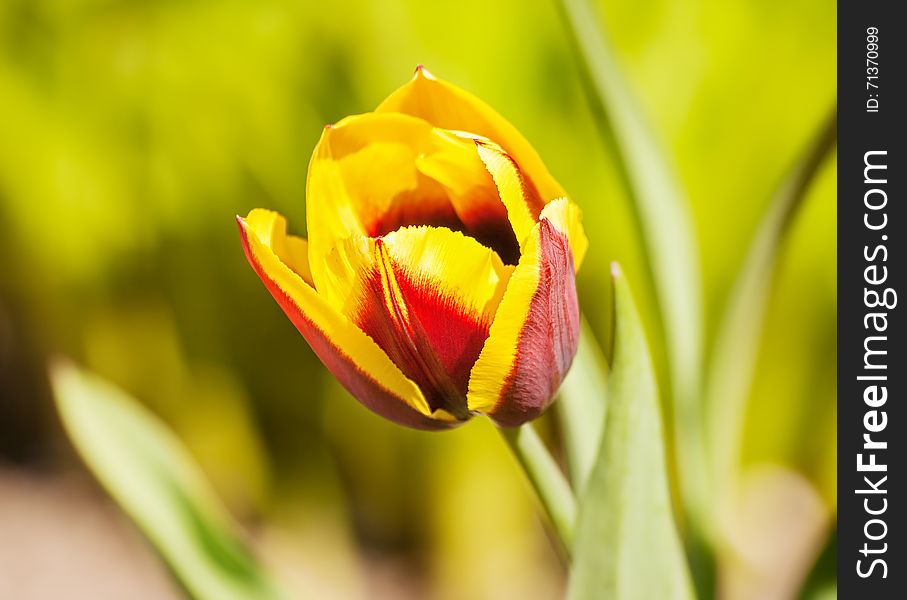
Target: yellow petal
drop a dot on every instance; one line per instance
(360, 169)
(271, 230)
(372, 174)
(521, 200)
(473, 192)
(447, 106)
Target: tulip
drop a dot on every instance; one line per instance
(438, 278)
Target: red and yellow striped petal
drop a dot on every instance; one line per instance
(523, 204)
(446, 106)
(427, 297)
(533, 338)
(521, 200)
(354, 358)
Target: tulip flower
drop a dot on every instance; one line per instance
(438, 278)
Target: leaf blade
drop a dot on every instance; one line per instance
(151, 476)
(738, 337)
(627, 545)
(666, 228)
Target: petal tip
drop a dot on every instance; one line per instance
(420, 72)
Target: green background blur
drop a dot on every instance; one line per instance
(132, 132)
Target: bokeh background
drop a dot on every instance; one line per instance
(132, 132)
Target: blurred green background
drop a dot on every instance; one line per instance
(131, 133)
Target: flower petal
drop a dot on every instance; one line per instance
(521, 200)
(479, 207)
(533, 338)
(372, 174)
(363, 180)
(427, 296)
(568, 219)
(354, 359)
(447, 106)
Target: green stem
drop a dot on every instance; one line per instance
(548, 480)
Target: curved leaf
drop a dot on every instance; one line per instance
(152, 477)
(733, 358)
(666, 227)
(627, 546)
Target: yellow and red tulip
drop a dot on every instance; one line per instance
(437, 281)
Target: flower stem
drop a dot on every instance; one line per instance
(548, 480)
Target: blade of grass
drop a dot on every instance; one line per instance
(581, 407)
(733, 357)
(150, 474)
(627, 544)
(666, 228)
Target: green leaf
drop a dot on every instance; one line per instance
(581, 407)
(627, 546)
(737, 341)
(666, 228)
(152, 477)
